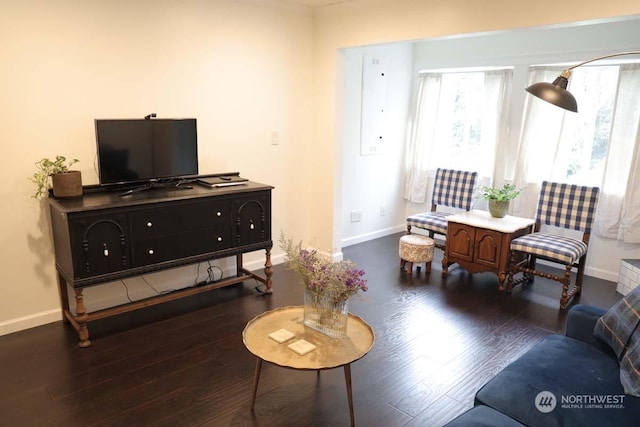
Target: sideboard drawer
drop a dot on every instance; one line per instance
(167, 219)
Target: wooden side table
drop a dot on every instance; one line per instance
(329, 352)
(479, 242)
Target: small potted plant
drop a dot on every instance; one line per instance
(65, 182)
(499, 198)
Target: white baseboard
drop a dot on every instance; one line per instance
(611, 276)
(30, 321)
(588, 271)
(55, 315)
(372, 235)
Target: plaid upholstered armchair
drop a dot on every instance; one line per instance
(561, 206)
(451, 188)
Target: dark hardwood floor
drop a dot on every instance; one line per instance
(184, 364)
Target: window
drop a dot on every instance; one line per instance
(596, 147)
(458, 121)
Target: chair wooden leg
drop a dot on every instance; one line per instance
(564, 299)
(510, 272)
(428, 267)
(409, 268)
(580, 274)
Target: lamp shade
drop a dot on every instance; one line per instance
(555, 93)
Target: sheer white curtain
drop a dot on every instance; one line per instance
(597, 146)
(421, 137)
(460, 122)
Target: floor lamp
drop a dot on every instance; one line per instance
(556, 93)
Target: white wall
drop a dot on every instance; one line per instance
(375, 181)
(242, 68)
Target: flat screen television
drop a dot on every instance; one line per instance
(143, 151)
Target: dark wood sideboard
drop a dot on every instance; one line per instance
(102, 237)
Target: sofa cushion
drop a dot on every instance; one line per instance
(630, 367)
(574, 372)
(483, 416)
(618, 328)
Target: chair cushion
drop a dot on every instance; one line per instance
(574, 372)
(432, 221)
(618, 328)
(559, 248)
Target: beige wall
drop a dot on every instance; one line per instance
(242, 68)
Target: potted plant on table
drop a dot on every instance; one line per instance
(65, 182)
(499, 198)
(328, 287)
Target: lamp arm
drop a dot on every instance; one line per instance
(633, 52)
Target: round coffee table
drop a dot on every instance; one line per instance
(329, 352)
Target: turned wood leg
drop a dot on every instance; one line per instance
(64, 295)
(502, 276)
(510, 274)
(445, 265)
(564, 300)
(580, 274)
(347, 379)
(239, 265)
(268, 272)
(81, 319)
(409, 268)
(256, 378)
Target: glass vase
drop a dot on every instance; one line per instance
(324, 313)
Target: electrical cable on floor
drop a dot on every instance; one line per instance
(126, 289)
(157, 291)
(257, 287)
(195, 282)
(212, 278)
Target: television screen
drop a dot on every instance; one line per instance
(138, 150)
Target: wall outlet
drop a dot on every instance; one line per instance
(382, 210)
(356, 216)
(275, 137)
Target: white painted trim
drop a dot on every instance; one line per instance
(372, 235)
(611, 276)
(30, 321)
(38, 319)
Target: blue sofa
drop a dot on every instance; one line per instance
(565, 380)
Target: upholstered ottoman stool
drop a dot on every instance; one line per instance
(415, 248)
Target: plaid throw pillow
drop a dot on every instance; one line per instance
(619, 328)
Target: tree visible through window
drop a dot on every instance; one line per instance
(458, 122)
(596, 146)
